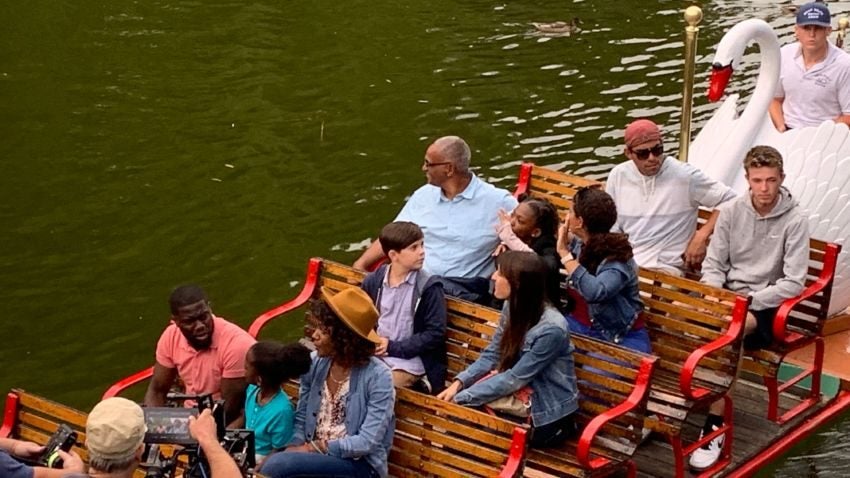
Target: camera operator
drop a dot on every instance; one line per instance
(115, 433)
(203, 429)
(11, 468)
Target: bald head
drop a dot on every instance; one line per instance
(454, 149)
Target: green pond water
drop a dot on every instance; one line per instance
(148, 144)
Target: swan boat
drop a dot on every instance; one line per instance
(818, 168)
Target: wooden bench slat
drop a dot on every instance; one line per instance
(60, 412)
(45, 425)
(446, 440)
(432, 459)
(469, 428)
(544, 173)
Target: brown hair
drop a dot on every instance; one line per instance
(349, 349)
(598, 213)
(763, 157)
(396, 236)
(526, 273)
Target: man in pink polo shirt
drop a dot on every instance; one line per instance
(207, 352)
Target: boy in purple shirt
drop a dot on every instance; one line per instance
(412, 323)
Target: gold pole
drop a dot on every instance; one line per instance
(843, 23)
(693, 15)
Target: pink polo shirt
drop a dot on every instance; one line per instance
(202, 370)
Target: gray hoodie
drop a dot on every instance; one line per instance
(764, 257)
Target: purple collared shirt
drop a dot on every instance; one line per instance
(396, 321)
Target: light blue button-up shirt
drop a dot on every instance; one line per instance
(460, 233)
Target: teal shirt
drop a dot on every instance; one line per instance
(272, 422)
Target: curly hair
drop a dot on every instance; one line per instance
(598, 213)
(349, 349)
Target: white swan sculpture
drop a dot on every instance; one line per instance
(817, 159)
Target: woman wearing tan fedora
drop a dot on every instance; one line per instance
(344, 420)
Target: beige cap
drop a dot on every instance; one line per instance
(115, 429)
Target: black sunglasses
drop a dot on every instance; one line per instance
(643, 154)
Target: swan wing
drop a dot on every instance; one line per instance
(817, 168)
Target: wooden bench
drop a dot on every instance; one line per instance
(697, 331)
(433, 437)
(33, 418)
(613, 384)
(614, 392)
(437, 438)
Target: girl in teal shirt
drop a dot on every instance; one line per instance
(268, 410)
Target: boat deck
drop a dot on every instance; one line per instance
(835, 360)
(753, 432)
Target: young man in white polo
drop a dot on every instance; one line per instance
(814, 84)
(760, 248)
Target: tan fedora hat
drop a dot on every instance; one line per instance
(354, 307)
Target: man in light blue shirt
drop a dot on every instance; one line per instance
(457, 212)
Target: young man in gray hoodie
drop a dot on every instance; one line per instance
(760, 248)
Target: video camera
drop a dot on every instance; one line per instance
(170, 426)
(63, 439)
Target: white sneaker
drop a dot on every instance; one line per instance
(707, 455)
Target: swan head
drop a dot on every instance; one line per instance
(720, 75)
(731, 48)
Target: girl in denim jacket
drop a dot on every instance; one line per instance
(531, 347)
(602, 270)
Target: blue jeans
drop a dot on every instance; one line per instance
(314, 465)
(634, 339)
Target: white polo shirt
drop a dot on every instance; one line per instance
(816, 95)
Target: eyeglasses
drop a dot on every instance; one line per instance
(429, 164)
(643, 154)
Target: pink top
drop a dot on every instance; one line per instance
(202, 370)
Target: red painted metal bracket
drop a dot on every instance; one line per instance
(10, 415)
(733, 333)
(118, 387)
(516, 455)
(638, 395)
(314, 267)
(524, 180)
(823, 282)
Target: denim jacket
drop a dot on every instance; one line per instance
(369, 415)
(612, 295)
(545, 362)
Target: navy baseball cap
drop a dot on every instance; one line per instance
(815, 13)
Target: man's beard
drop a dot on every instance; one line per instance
(200, 345)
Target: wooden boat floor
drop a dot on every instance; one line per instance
(835, 360)
(753, 432)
